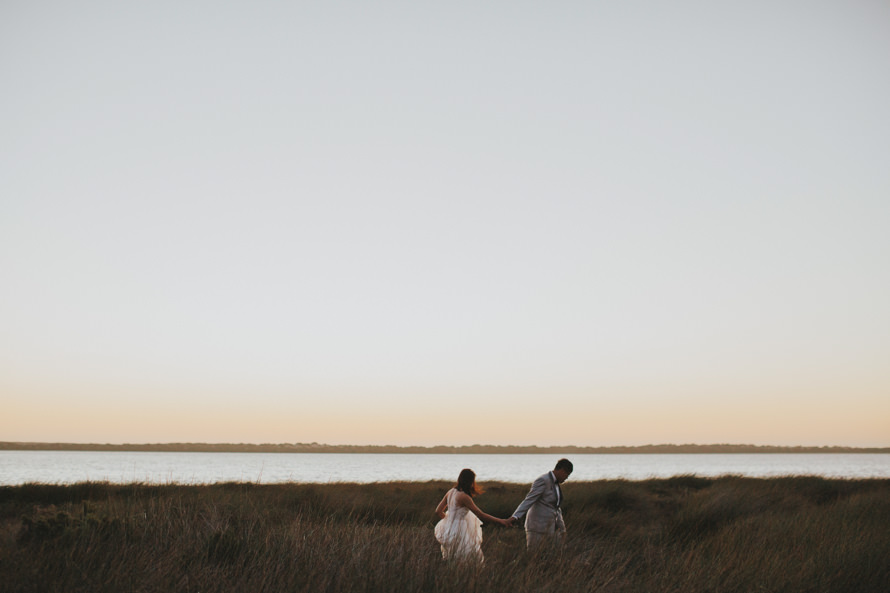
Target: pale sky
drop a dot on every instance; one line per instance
(588, 223)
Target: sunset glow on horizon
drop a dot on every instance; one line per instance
(589, 224)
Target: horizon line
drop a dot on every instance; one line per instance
(315, 445)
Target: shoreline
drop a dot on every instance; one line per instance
(435, 450)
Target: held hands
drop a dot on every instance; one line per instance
(502, 522)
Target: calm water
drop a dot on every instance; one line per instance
(62, 467)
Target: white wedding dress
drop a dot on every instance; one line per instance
(460, 532)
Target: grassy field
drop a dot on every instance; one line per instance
(685, 534)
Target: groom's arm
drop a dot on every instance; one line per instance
(531, 498)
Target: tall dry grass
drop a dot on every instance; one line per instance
(685, 534)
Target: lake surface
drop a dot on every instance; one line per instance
(65, 467)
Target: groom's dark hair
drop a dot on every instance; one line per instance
(564, 464)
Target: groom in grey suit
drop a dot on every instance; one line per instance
(543, 521)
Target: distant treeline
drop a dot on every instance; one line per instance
(496, 449)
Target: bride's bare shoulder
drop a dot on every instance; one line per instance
(461, 498)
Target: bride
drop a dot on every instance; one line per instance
(460, 529)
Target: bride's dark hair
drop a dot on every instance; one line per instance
(466, 482)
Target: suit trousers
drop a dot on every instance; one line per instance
(554, 535)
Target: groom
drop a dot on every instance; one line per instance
(544, 521)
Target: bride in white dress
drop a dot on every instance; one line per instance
(460, 529)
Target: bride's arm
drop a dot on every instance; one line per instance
(440, 510)
(467, 501)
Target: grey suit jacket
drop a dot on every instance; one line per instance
(541, 506)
